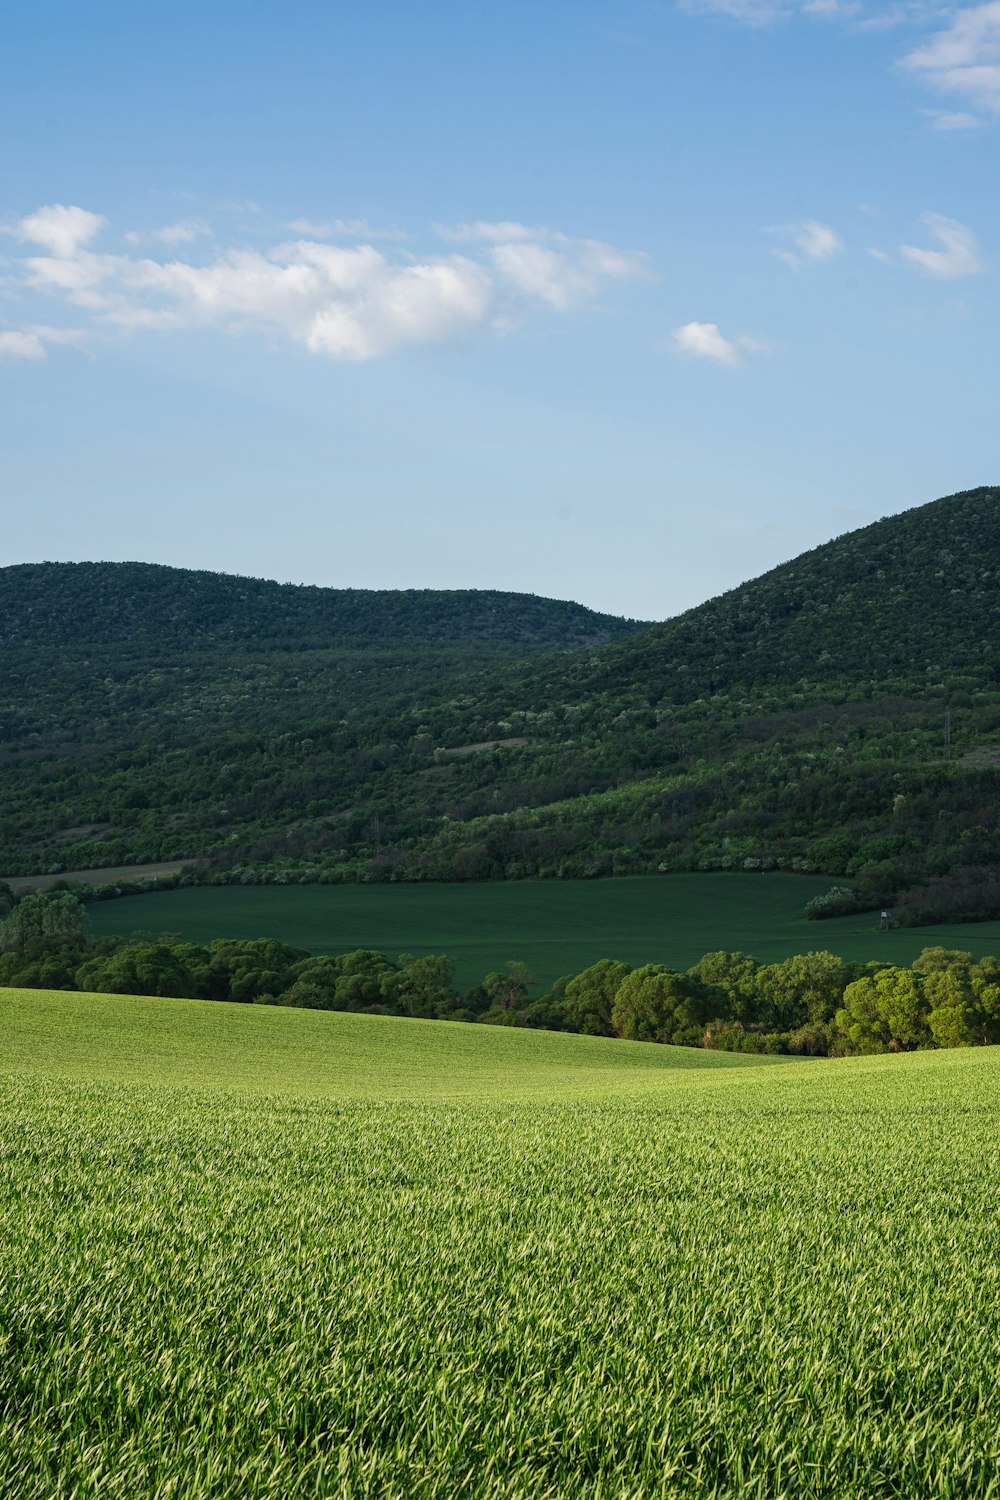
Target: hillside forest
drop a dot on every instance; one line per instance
(839, 715)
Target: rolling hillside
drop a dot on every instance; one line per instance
(111, 671)
(838, 715)
(289, 1254)
(264, 1049)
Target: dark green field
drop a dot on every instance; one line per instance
(556, 927)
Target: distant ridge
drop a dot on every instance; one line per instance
(106, 604)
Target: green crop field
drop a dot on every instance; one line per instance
(259, 1254)
(266, 1048)
(556, 927)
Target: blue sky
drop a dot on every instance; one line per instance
(616, 302)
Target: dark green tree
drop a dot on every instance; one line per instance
(656, 1004)
(146, 969)
(42, 921)
(588, 998)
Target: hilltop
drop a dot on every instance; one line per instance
(912, 600)
(838, 714)
(145, 605)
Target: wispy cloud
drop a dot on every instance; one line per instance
(952, 119)
(31, 342)
(183, 233)
(813, 241)
(350, 302)
(760, 13)
(485, 231)
(562, 272)
(345, 229)
(749, 12)
(964, 58)
(707, 341)
(959, 255)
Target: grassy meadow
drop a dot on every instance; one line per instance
(264, 1254)
(556, 927)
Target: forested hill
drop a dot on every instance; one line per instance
(913, 599)
(148, 606)
(840, 714)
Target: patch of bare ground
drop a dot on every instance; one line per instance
(108, 875)
(981, 755)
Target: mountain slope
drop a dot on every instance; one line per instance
(839, 714)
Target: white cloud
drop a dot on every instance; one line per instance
(814, 241)
(347, 301)
(60, 229)
(951, 119)
(20, 343)
(183, 233)
(341, 229)
(404, 305)
(563, 272)
(706, 341)
(960, 255)
(964, 58)
(30, 342)
(544, 264)
(505, 230)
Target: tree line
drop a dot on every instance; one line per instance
(812, 1004)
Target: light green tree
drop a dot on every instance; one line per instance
(887, 1010)
(807, 987)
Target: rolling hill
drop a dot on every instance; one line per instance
(265, 1049)
(839, 714)
(911, 601)
(145, 605)
(290, 1254)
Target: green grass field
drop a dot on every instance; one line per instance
(322, 1054)
(254, 1254)
(556, 927)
